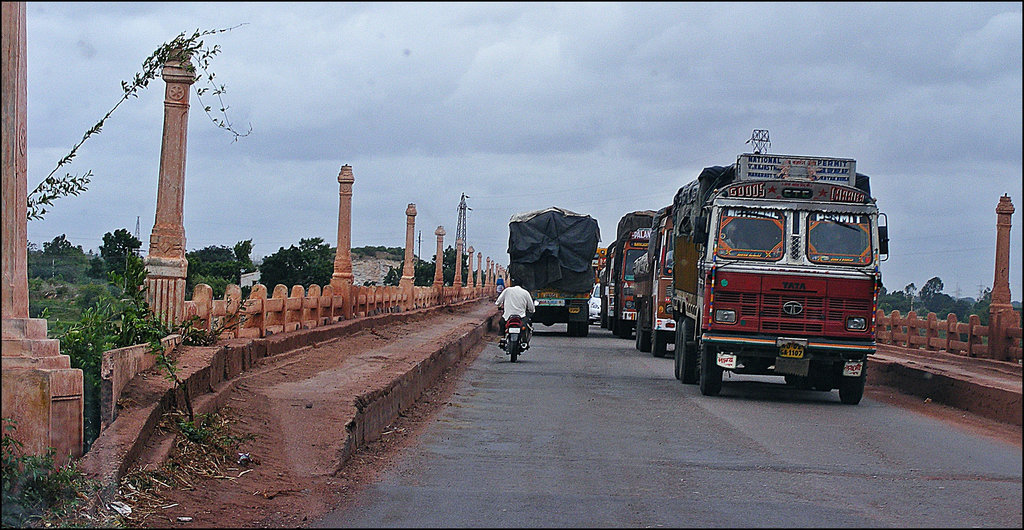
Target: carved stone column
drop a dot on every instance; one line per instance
(1001, 313)
(341, 280)
(490, 273)
(479, 266)
(457, 282)
(41, 392)
(406, 284)
(166, 266)
(471, 281)
(439, 259)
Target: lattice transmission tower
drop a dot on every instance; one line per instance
(759, 139)
(460, 229)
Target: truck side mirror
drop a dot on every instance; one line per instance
(700, 230)
(883, 241)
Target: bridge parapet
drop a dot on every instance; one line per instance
(970, 339)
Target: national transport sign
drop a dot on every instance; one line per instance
(787, 167)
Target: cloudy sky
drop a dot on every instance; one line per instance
(599, 108)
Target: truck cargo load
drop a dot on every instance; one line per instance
(551, 253)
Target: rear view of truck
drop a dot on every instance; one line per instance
(551, 252)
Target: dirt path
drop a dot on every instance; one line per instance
(294, 408)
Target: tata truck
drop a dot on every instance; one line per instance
(551, 253)
(632, 237)
(776, 272)
(655, 325)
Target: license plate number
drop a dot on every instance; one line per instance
(514, 331)
(791, 350)
(853, 369)
(550, 302)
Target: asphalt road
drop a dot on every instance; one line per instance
(589, 432)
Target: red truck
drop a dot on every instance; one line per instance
(776, 272)
(632, 236)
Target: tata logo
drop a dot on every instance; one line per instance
(794, 285)
(792, 308)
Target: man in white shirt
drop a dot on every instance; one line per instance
(515, 300)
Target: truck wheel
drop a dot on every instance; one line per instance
(677, 357)
(688, 351)
(643, 339)
(710, 373)
(851, 389)
(658, 346)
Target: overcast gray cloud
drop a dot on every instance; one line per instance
(600, 108)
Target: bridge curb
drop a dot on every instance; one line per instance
(984, 398)
(211, 372)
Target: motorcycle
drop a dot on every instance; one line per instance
(516, 337)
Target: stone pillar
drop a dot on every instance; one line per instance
(439, 258)
(457, 282)
(166, 265)
(41, 392)
(406, 284)
(1001, 313)
(341, 280)
(490, 274)
(471, 281)
(479, 266)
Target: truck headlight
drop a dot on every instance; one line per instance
(726, 316)
(856, 323)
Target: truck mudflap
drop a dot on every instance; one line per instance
(814, 346)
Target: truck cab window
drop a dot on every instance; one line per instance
(839, 239)
(748, 234)
(631, 257)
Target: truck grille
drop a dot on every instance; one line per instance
(815, 311)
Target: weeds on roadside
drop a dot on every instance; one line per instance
(39, 493)
(204, 448)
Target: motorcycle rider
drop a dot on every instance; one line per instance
(515, 300)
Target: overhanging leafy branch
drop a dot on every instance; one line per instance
(184, 48)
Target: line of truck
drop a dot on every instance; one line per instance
(767, 266)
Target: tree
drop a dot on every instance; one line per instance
(218, 266)
(312, 262)
(116, 248)
(59, 259)
(931, 289)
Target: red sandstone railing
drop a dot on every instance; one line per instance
(286, 311)
(260, 316)
(969, 339)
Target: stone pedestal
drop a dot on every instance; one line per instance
(406, 284)
(341, 280)
(439, 258)
(41, 392)
(1001, 313)
(166, 266)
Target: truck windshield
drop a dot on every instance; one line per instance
(839, 238)
(631, 256)
(750, 234)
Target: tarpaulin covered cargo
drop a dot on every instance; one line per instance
(554, 249)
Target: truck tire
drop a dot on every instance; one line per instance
(677, 359)
(686, 350)
(710, 374)
(643, 339)
(851, 389)
(659, 346)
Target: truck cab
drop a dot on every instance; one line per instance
(655, 325)
(777, 273)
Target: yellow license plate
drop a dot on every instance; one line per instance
(791, 350)
(574, 310)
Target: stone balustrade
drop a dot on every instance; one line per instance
(969, 338)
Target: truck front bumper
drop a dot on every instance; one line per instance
(768, 346)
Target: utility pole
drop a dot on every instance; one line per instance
(419, 245)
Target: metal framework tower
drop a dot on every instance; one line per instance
(760, 141)
(460, 229)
